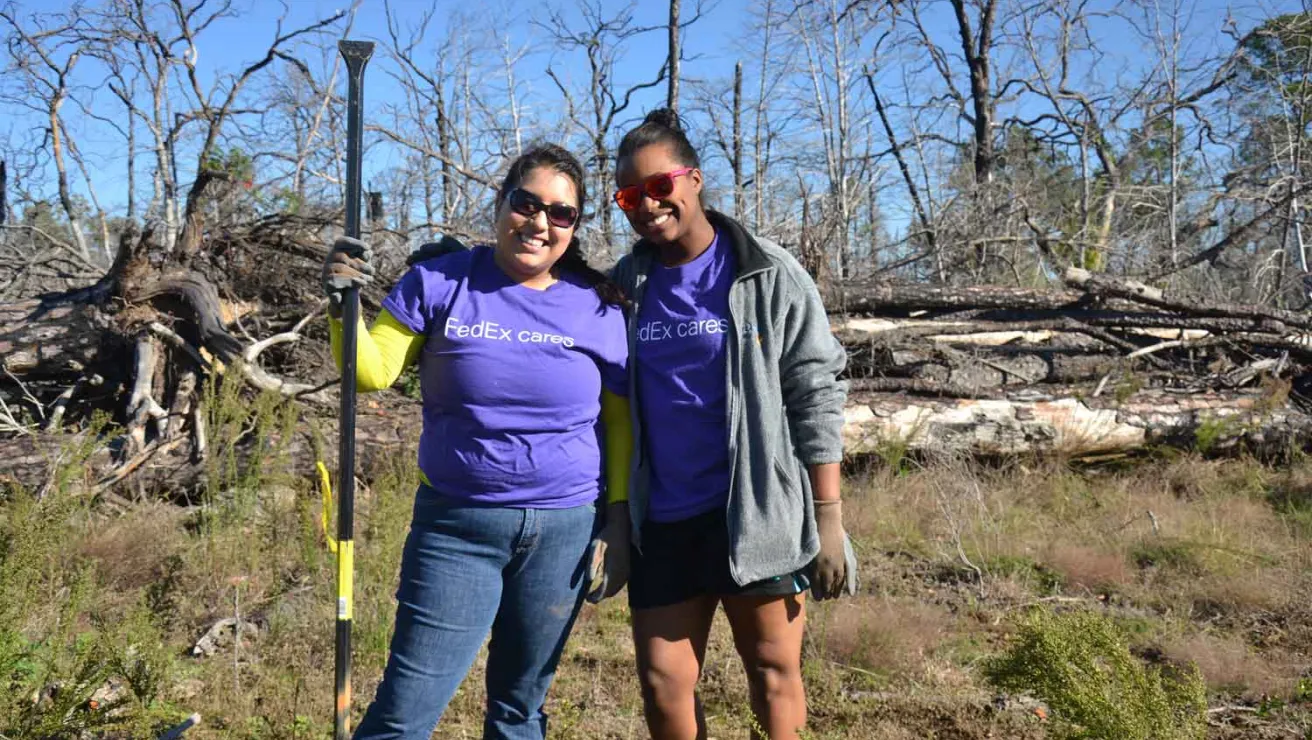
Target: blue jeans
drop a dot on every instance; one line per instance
(466, 569)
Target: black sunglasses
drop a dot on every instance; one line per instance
(528, 205)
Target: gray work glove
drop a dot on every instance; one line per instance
(609, 569)
(445, 245)
(833, 572)
(349, 264)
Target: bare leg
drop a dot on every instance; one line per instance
(671, 645)
(767, 630)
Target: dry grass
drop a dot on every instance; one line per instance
(130, 552)
(1207, 562)
(1231, 666)
(887, 636)
(1088, 568)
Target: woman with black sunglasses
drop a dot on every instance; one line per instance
(520, 348)
(734, 499)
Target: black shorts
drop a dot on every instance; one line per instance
(689, 558)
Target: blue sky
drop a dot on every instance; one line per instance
(711, 47)
(231, 43)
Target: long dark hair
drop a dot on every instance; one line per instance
(558, 159)
(661, 126)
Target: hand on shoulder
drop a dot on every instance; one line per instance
(444, 246)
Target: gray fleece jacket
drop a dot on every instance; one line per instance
(784, 403)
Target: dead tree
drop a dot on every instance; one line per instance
(143, 337)
(825, 37)
(736, 156)
(673, 58)
(1087, 118)
(977, 48)
(47, 57)
(426, 123)
(710, 99)
(760, 138)
(600, 37)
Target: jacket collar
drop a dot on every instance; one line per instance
(751, 257)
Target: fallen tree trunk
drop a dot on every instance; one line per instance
(984, 372)
(46, 339)
(876, 422)
(1102, 285)
(1106, 364)
(879, 297)
(143, 343)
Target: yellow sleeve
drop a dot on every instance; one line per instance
(381, 352)
(619, 445)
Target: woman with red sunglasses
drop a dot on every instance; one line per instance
(520, 347)
(734, 499)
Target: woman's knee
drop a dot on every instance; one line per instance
(775, 681)
(667, 679)
(773, 673)
(671, 643)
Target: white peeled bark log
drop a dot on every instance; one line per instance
(61, 403)
(875, 327)
(261, 380)
(141, 404)
(1080, 277)
(959, 332)
(872, 422)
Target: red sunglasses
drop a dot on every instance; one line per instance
(655, 187)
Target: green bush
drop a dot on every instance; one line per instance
(248, 439)
(58, 650)
(1081, 666)
(1211, 433)
(1167, 553)
(1026, 569)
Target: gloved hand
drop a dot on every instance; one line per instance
(830, 575)
(609, 569)
(445, 245)
(349, 264)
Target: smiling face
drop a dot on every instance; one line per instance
(528, 246)
(669, 219)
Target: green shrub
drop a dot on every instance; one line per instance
(1081, 666)
(1211, 433)
(1294, 504)
(1025, 569)
(247, 441)
(58, 649)
(895, 452)
(1167, 553)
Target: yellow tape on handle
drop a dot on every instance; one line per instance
(326, 486)
(345, 580)
(345, 551)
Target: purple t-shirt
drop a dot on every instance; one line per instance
(511, 379)
(680, 358)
